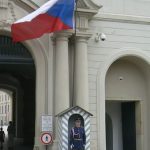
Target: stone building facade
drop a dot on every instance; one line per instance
(5, 107)
(110, 78)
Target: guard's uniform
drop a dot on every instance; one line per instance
(77, 138)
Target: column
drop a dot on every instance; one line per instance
(81, 73)
(61, 73)
(61, 83)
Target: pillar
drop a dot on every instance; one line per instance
(61, 73)
(61, 83)
(81, 73)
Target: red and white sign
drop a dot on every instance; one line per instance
(46, 138)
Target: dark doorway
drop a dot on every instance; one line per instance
(120, 125)
(128, 126)
(17, 74)
(109, 133)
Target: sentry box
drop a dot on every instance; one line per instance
(66, 122)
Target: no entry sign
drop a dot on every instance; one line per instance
(46, 138)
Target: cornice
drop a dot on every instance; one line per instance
(122, 18)
(89, 4)
(27, 4)
(86, 9)
(84, 4)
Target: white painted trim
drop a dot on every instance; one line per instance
(139, 125)
(126, 51)
(122, 18)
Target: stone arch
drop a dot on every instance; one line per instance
(135, 52)
(30, 45)
(40, 57)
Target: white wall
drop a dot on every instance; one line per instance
(121, 36)
(126, 7)
(39, 2)
(131, 87)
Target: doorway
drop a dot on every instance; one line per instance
(120, 125)
(17, 74)
(126, 88)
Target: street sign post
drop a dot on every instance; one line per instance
(46, 139)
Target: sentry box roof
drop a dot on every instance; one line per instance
(75, 109)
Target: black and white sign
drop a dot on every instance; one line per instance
(46, 138)
(47, 123)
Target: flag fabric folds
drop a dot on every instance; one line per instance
(55, 15)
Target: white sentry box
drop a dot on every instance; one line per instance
(66, 122)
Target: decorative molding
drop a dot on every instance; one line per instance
(89, 4)
(5, 23)
(3, 3)
(8, 21)
(10, 5)
(86, 9)
(26, 4)
(122, 18)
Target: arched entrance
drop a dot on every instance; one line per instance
(17, 74)
(126, 100)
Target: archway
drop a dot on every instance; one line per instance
(142, 58)
(17, 74)
(126, 87)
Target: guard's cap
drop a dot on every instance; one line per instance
(78, 119)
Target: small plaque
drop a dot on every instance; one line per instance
(47, 123)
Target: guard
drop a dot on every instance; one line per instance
(77, 136)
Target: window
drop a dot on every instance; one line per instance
(5, 109)
(8, 108)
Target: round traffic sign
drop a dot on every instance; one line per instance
(46, 138)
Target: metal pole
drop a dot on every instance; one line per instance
(76, 7)
(75, 34)
(46, 147)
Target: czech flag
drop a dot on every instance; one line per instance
(55, 15)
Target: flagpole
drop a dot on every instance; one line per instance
(76, 18)
(75, 34)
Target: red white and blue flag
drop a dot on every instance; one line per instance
(55, 15)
